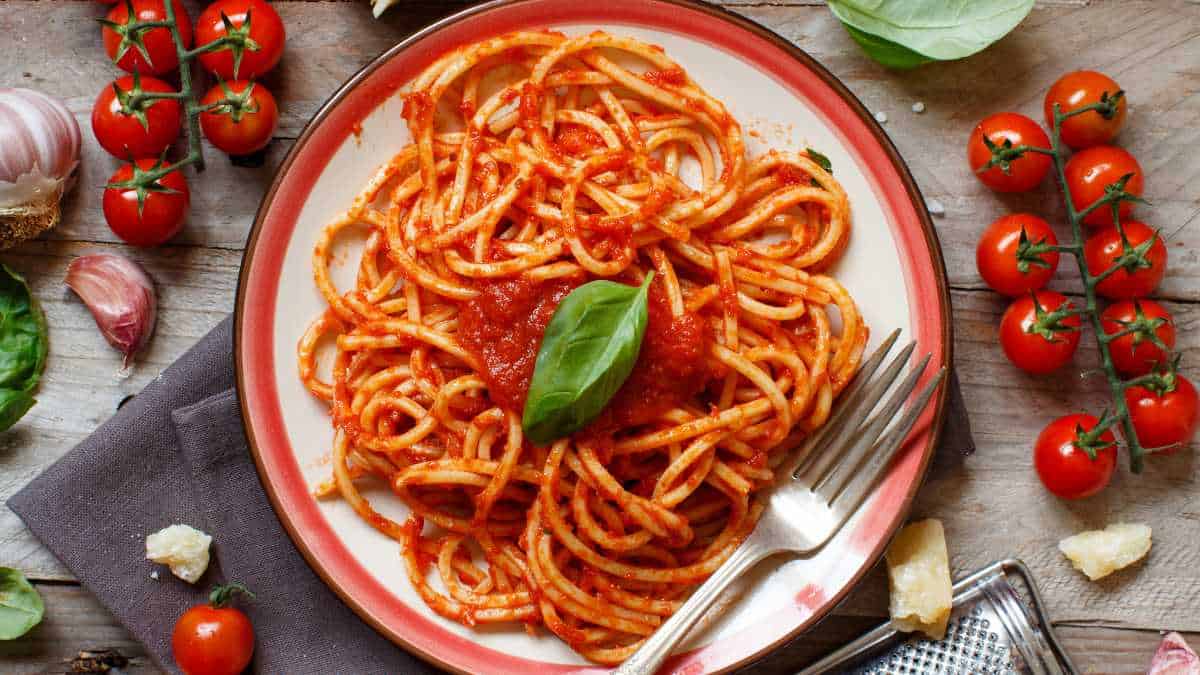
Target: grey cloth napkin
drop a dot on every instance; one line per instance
(176, 453)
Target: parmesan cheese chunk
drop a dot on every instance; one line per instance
(182, 548)
(919, 576)
(1099, 553)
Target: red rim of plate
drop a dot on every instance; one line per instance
(792, 69)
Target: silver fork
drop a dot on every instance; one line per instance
(818, 489)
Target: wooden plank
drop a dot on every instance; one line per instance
(75, 621)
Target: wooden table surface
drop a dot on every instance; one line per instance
(991, 503)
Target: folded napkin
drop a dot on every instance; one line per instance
(176, 453)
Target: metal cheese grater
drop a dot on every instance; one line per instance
(996, 628)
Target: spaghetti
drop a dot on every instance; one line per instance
(540, 162)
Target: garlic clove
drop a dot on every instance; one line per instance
(1174, 657)
(120, 297)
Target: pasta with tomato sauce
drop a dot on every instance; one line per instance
(540, 162)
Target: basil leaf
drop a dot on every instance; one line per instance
(21, 607)
(590, 347)
(23, 346)
(22, 334)
(821, 160)
(885, 52)
(14, 403)
(936, 29)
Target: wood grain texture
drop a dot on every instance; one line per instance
(991, 502)
(75, 621)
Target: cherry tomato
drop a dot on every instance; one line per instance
(240, 130)
(996, 255)
(1132, 354)
(157, 41)
(1166, 420)
(1034, 349)
(265, 30)
(213, 639)
(1025, 172)
(161, 215)
(1066, 469)
(1075, 90)
(123, 135)
(1090, 171)
(1104, 247)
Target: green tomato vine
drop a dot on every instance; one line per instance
(1133, 257)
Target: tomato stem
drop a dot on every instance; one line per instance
(147, 180)
(224, 594)
(1114, 194)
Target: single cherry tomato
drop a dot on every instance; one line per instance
(161, 212)
(123, 135)
(1010, 267)
(1038, 344)
(122, 46)
(1075, 90)
(214, 639)
(242, 127)
(1134, 354)
(1103, 248)
(1062, 460)
(1008, 129)
(1092, 170)
(1163, 419)
(258, 30)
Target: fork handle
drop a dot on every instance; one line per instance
(647, 659)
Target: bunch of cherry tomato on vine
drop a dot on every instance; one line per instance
(1075, 456)
(137, 117)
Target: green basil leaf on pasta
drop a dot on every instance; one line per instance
(935, 29)
(21, 606)
(590, 346)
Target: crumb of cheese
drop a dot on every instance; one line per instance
(919, 576)
(1099, 553)
(183, 548)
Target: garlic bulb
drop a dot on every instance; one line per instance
(120, 297)
(39, 150)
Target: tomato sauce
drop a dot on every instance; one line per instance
(668, 77)
(503, 327)
(790, 175)
(504, 324)
(670, 369)
(574, 140)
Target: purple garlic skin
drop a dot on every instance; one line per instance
(120, 296)
(1174, 657)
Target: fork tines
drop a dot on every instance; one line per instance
(844, 460)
